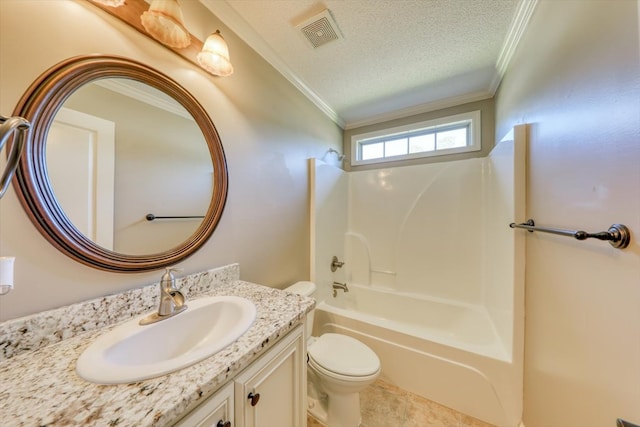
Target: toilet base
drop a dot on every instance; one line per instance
(331, 410)
(317, 409)
(343, 410)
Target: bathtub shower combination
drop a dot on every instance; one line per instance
(435, 275)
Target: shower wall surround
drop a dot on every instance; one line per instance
(439, 230)
(429, 255)
(418, 229)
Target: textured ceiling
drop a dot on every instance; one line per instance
(395, 57)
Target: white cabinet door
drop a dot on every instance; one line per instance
(216, 411)
(272, 391)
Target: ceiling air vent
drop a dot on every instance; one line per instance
(320, 29)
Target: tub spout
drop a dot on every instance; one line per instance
(338, 285)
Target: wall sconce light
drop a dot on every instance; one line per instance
(165, 23)
(214, 56)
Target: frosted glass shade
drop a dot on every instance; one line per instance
(214, 56)
(164, 22)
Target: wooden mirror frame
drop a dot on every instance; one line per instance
(39, 105)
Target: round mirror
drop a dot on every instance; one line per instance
(123, 169)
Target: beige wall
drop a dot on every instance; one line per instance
(576, 79)
(268, 131)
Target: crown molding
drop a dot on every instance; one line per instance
(519, 23)
(123, 88)
(439, 104)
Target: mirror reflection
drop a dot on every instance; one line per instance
(90, 198)
(118, 150)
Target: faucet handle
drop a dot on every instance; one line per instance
(335, 264)
(170, 270)
(168, 280)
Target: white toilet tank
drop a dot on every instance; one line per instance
(307, 289)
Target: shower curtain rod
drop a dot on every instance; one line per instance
(617, 235)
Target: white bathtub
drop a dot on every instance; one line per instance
(464, 326)
(444, 351)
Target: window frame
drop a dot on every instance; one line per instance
(472, 118)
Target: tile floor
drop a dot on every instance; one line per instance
(385, 405)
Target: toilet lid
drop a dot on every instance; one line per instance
(302, 288)
(344, 355)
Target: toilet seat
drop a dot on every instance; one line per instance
(343, 356)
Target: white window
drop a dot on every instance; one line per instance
(448, 135)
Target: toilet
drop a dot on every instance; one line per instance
(338, 368)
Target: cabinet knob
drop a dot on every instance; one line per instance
(223, 424)
(254, 398)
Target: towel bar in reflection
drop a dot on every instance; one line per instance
(617, 235)
(151, 217)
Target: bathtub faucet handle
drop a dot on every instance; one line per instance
(338, 285)
(335, 264)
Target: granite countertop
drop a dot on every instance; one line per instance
(41, 388)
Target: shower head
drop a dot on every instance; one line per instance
(332, 150)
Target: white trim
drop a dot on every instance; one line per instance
(473, 116)
(312, 219)
(95, 208)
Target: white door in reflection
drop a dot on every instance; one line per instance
(80, 156)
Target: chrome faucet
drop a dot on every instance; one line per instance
(171, 299)
(338, 285)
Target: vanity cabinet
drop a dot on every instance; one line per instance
(216, 411)
(271, 392)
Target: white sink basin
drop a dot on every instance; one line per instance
(131, 353)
